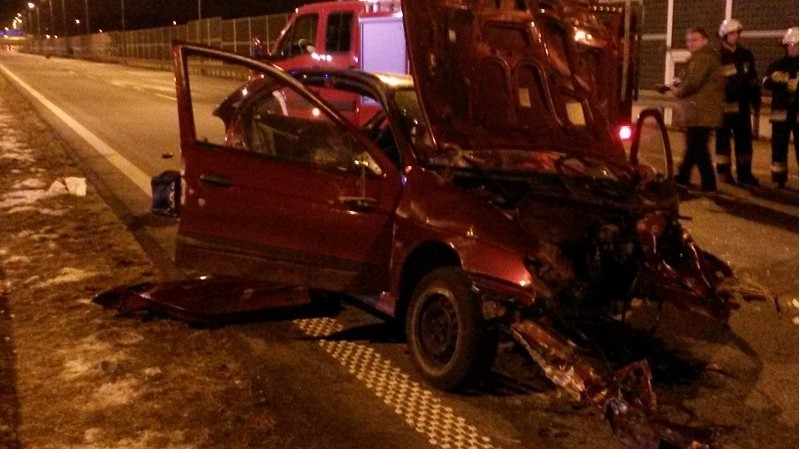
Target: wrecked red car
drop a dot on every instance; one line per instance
(487, 197)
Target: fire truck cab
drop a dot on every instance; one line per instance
(348, 34)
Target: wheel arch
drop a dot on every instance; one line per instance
(423, 259)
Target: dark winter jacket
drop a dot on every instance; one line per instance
(702, 90)
(784, 94)
(742, 88)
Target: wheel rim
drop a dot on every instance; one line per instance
(438, 328)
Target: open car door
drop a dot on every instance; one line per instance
(279, 186)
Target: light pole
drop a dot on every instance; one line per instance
(52, 25)
(122, 10)
(86, 7)
(199, 21)
(33, 6)
(64, 19)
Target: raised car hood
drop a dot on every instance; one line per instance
(516, 74)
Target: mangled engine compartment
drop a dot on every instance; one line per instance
(604, 246)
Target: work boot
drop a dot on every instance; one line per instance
(745, 175)
(780, 178)
(724, 174)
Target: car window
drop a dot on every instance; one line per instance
(298, 38)
(281, 124)
(367, 114)
(337, 33)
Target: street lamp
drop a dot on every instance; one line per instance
(122, 12)
(32, 5)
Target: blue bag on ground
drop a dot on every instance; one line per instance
(166, 193)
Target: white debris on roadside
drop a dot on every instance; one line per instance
(796, 304)
(71, 184)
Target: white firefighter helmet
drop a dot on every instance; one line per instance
(791, 37)
(729, 26)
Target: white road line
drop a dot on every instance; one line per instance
(136, 175)
(168, 97)
(422, 409)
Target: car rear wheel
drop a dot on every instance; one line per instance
(448, 339)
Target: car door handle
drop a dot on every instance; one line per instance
(359, 204)
(216, 180)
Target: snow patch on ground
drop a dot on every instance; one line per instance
(20, 209)
(95, 438)
(15, 259)
(114, 394)
(13, 150)
(77, 367)
(65, 276)
(30, 183)
(24, 197)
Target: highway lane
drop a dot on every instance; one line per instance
(133, 111)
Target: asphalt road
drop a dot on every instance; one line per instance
(748, 387)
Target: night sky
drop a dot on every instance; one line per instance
(106, 14)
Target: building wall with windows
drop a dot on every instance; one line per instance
(765, 22)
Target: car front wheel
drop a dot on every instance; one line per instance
(448, 338)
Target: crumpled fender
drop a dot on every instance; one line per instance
(625, 397)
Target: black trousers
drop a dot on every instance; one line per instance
(697, 154)
(780, 148)
(741, 127)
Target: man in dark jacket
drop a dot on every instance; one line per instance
(741, 93)
(701, 91)
(781, 79)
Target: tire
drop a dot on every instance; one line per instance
(449, 341)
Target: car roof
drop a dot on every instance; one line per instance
(382, 81)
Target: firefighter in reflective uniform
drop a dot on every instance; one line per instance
(781, 79)
(742, 91)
